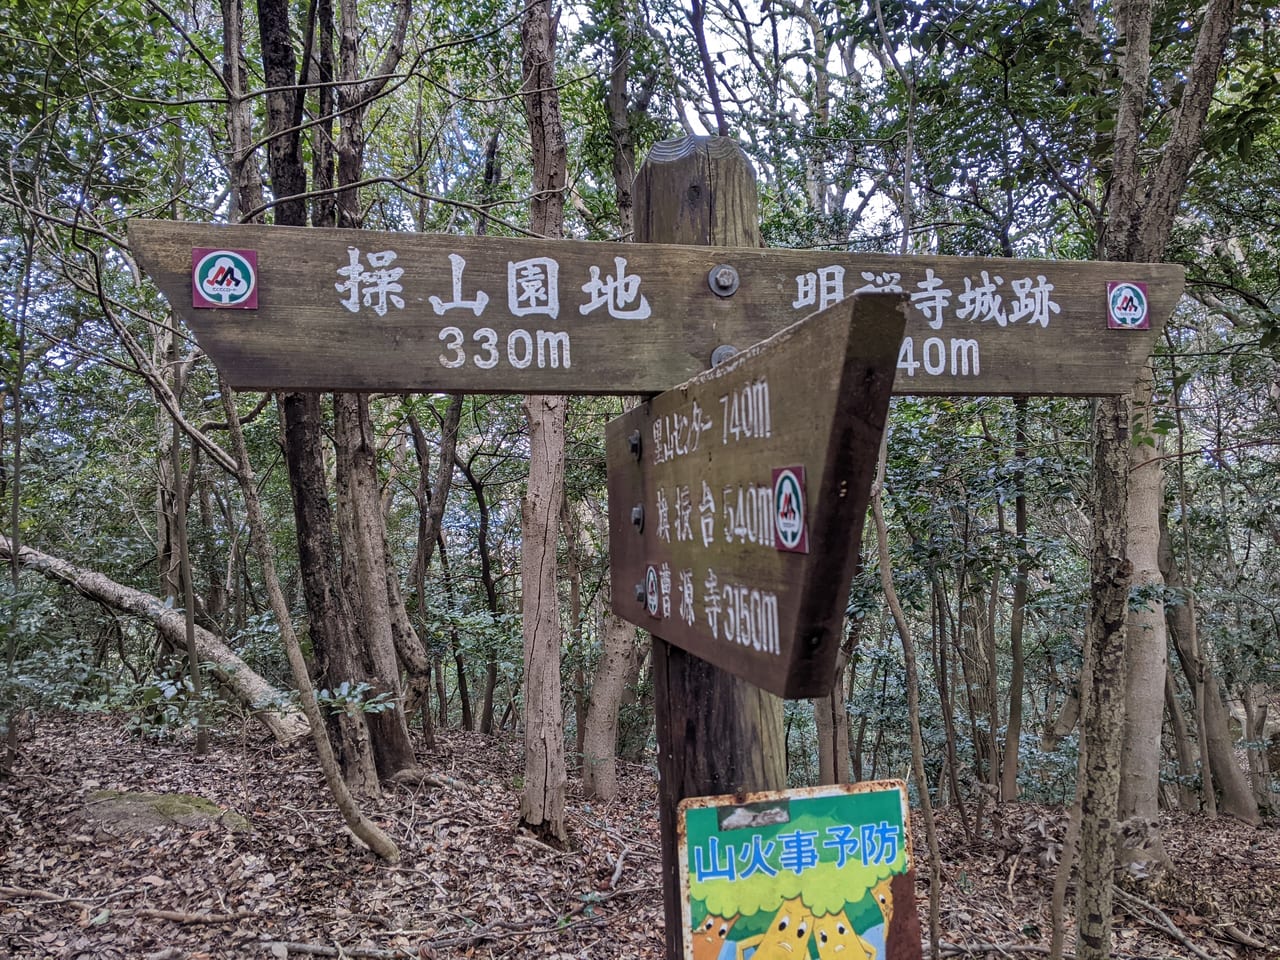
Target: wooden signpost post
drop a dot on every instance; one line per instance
(281, 308)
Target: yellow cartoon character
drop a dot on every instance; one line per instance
(787, 937)
(837, 939)
(709, 936)
(884, 900)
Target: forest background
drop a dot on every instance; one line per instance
(383, 545)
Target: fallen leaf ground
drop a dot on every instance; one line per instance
(471, 884)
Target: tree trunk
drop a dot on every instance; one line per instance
(337, 655)
(1146, 643)
(1255, 733)
(542, 806)
(573, 573)
(455, 644)
(1187, 798)
(364, 539)
(1135, 226)
(267, 703)
(430, 500)
(913, 712)
(942, 671)
(831, 713)
(1104, 701)
(1060, 729)
(1017, 617)
(490, 592)
(362, 529)
(329, 618)
(243, 175)
(619, 663)
(831, 717)
(1237, 799)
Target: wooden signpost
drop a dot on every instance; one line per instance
(293, 308)
(751, 480)
(735, 498)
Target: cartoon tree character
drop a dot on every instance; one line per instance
(837, 939)
(787, 937)
(884, 899)
(709, 937)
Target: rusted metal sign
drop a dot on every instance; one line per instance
(325, 309)
(735, 500)
(825, 871)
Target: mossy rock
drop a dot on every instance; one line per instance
(134, 812)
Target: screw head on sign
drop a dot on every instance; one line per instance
(722, 353)
(723, 280)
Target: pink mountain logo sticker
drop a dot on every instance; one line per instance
(790, 532)
(1127, 306)
(224, 279)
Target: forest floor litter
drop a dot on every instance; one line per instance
(77, 881)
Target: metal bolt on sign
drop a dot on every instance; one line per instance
(723, 280)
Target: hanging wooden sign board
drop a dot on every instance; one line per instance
(734, 499)
(324, 309)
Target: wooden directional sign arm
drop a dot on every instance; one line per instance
(323, 309)
(736, 499)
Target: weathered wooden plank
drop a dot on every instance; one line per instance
(735, 499)
(366, 310)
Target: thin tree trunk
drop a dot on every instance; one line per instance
(1018, 615)
(490, 592)
(943, 671)
(831, 714)
(188, 596)
(1187, 799)
(573, 573)
(14, 507)
(1068, 717)
(831, 717)
(991, 693)
(913, 701)
(619, 663)
(1255, 733)
(242, 169)
(455, 644)
(430, 499)
(361, 826)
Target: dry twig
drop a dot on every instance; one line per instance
(1165, 925)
